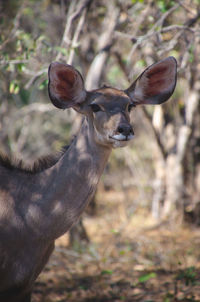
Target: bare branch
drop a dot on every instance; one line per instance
(5, 62)
(155, 134)
(105, 43)
(188, 9)
(35, 75)
(78, 12)
(174, 41)
(152, 31)
(71, 17)
(165, 16)
(75, 38)
(66, 39)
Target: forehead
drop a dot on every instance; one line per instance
(111, 98)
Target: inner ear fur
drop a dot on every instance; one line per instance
(66, 86)
(156, 84)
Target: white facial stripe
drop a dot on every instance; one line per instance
(121, 137)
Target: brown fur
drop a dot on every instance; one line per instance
(39, 165)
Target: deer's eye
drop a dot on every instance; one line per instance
(130, 106)
(95, 107)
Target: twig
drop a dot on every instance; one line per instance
(165, 16)
(152, 31)
(76, 36)
(35, 76)
(66, 39)
(78, 12)
(175, 27)
(140, 39)
(71, 17)
(156, 135)
(5, 62)
(176, 38)
(188, 9)
(126, 36)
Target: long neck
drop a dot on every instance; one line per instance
(63, 191)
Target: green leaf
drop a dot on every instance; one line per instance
(114, 231)
(106, 272)
(146, 277)
(14, 87)
(135, 1)
(162, 6)
(140, 63)
(24, 95)
(20, 67)
(84, 287)
(62, 50)
(43, 85)
(188, 275)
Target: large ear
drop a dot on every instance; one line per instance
(66, 86)
(156, 84)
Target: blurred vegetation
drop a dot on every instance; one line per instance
(159, 173)
(34, 33)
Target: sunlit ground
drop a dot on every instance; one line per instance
(131, 257)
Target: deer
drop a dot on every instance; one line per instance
(38, 204)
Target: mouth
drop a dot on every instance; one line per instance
(122, 138)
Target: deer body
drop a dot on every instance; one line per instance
(36, 208)
(35, 221)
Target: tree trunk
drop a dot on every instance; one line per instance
(169, 198)
(78, 233)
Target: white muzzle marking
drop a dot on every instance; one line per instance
(121, 137)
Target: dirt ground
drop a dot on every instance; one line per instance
(130, 258)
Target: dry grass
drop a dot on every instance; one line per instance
(130, 258)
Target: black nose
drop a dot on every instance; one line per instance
(125, 129)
